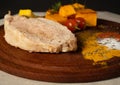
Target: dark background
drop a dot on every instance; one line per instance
(43, 5)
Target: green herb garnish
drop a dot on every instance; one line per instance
(55, 7)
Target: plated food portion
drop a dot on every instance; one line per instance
(63, 46)
(60, 31)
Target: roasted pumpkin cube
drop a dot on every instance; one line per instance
(67, 10)
(89, 15)
(55, 17)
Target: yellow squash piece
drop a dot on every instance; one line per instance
(89, 15)
(66, 10)
(26, 12)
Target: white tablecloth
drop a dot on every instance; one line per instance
(8, 79)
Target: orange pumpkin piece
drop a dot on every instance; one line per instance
(56, 17)
(66, 10)
(89, 15)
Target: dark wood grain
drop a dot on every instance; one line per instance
(62, 67)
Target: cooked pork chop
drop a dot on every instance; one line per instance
(38, 34)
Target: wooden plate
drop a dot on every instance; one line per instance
(62, 67)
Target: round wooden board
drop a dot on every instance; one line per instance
(62, 67)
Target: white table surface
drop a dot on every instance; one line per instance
(8, 79)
